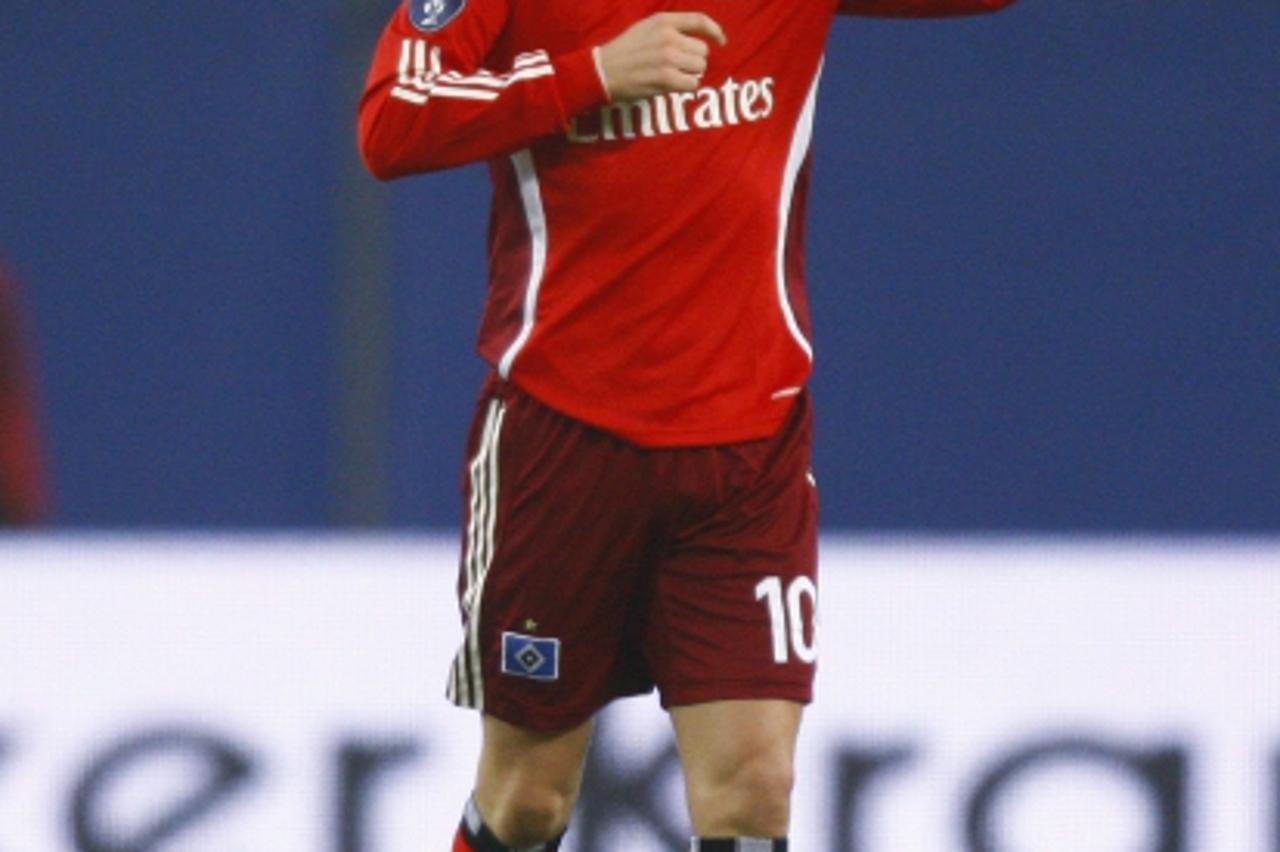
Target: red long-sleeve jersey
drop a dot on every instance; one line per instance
(646, 271)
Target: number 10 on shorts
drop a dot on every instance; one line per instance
(786, 617)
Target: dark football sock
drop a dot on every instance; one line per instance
(738, 844)
(474, 836)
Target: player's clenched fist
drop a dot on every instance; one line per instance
(666, 52)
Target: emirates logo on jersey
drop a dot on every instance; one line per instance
(432, 15)
(709, 108)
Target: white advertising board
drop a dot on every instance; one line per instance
(284, 694)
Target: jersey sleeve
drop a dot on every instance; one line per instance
(431, 101)
(920, 8)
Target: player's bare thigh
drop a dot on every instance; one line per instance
(738, 759)
(528, 781)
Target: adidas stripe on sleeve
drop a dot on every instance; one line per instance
(441, 98)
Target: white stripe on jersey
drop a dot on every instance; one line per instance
(492, 82)
(536, 217)
(795, 159)
(442, 92)
(421, 75)
(406, 95)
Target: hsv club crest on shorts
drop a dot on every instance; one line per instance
(533, 657)
(433, 15)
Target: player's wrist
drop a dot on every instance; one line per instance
(599, 65)
(578, 84)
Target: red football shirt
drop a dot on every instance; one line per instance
(646, 270)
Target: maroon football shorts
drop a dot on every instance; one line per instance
(593, 568)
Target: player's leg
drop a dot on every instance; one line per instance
(553, 542)
(731, 638)
(526, 787)
(738, 759)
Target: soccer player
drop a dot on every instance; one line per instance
(639, 508)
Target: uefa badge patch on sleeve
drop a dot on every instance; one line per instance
(433, 15)
(533, 657)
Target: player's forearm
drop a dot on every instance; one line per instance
(421, 116)
(920, 8)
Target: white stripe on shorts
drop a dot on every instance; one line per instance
(466, 684)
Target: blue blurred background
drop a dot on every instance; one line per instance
(1044, 267)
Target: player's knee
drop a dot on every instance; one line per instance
(762, 792)
(752, 798)
(531, 816)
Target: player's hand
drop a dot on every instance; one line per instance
(665, 52)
